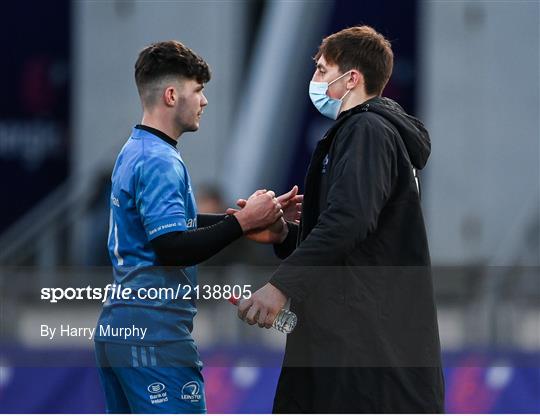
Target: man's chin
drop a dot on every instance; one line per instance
(194, 127)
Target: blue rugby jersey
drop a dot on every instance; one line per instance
(151, 195)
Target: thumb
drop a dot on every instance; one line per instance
(286, 196)
(230, 211)
(241, 203)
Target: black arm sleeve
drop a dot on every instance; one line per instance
(360, 186)
(206, 220)
(187, 248)
(285, 248)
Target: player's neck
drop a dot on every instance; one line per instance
(161, 124)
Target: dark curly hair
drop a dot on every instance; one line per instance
(170, 58)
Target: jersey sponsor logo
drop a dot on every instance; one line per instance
(156, 387)
(157, 393)
(161, 227)
(191, 391)
(191, 223)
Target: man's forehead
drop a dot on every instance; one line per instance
(323, 64)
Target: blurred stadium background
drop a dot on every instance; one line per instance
(469, 69)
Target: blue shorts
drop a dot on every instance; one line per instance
(165, 378)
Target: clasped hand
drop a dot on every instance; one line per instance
(290, 204)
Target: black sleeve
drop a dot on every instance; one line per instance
(206, 220)
(187, 248)
(361, 183)
(285, 248)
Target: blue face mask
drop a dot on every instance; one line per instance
(327, 106)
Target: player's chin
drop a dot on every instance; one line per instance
(193, 127)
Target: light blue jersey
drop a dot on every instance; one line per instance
(151, 195)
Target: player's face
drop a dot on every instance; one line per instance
(190, 105)
(325, 72)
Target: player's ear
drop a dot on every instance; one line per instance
(170, 96)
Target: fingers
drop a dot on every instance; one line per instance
(243, 307)
(298, 199)
(277, 216)
(278, 211)
(269, 321)
(291, 195)
(263, 313)
(259, 211)
(253, 314)
(260, 316)
(288, 195)
(257, 193)
(230, 211)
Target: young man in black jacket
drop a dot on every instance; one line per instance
(357, 267)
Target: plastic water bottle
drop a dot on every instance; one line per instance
(285, 320)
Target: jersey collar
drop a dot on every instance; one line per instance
(157, 133)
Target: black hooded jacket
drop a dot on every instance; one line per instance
(357, 267)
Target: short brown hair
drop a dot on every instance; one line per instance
(170, 58)
(361, 48)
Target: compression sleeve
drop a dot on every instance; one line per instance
(206, 220)
(187, 248)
